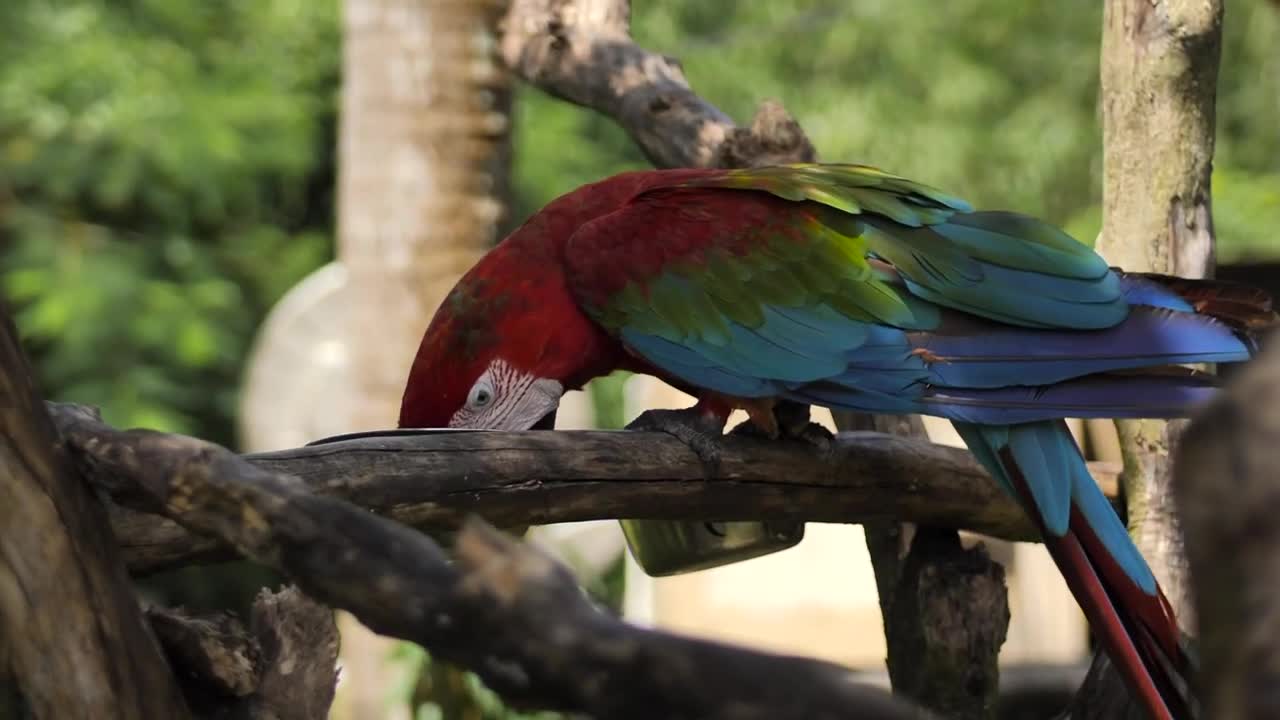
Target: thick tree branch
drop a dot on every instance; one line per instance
(1228, 493)
(503, 609)
(581, 51)
(76, 639)
(434, 481)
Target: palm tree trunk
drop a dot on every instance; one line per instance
(423, 165)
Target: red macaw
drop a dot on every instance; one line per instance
(846, 287)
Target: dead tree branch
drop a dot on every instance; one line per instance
(581, 51)
(1228, 493)
(279, 667)
(434, 481)
(503, 609)
(76, 639)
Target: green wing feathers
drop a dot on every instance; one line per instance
(854, 189)
(822, 247)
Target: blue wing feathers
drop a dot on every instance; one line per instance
(987, 355)
(697, 369)
(999, 238)
(819, 332)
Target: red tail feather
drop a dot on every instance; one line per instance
(1138, 631)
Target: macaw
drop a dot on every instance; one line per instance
(847, 287)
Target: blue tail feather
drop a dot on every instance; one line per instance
(1057, 479)
(1142, 291)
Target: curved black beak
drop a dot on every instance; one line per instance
(548, 422)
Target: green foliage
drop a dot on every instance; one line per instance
(993, 100)
(165, 175)
(1246, 209)
(167, 166)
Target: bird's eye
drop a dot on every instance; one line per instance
(481, 395)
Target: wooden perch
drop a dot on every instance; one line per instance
(1227, 490)
(505, 610)
(434, 481)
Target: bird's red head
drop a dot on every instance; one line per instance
(509, 339)
(484, 361)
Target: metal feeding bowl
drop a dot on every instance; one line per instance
(672, 548)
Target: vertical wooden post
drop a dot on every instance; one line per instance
(1159, 78)
(945, 607)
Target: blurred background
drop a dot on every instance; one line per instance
(234, 219)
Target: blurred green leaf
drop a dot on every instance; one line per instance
(167, 167)
(165, 176)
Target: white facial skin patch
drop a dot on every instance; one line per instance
(504, 398)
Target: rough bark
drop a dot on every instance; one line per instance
(281, 666)
(581, 51)
(501, 608)
(434, 481)
(1228, 494)
(945, 607)
(1159, 76)
(297, 640)
(215, 654)
(77, 642)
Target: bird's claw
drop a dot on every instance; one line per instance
(793, 423)
(700, 432)
(816, 435)
(810, 433)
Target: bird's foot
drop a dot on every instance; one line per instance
(698, 430)
(792, 422)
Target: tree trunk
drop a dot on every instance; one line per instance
(76, 641)
(1159, 78)
(424, 149)
(1227, 490)
(422, 146)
